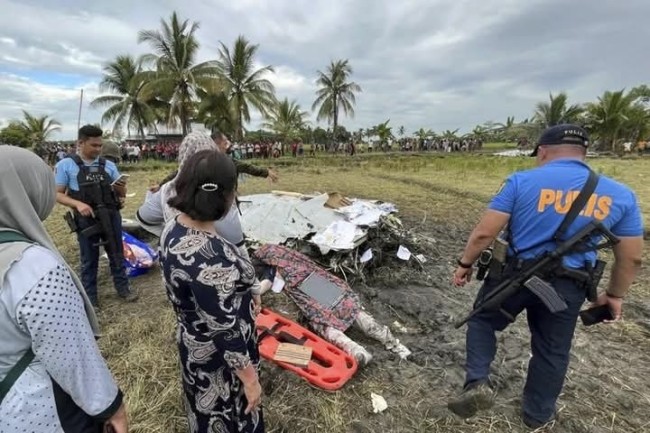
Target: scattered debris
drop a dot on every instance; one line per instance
(398, 327)
(280, 216)
(366, 256)
(340, 235)
(403, 253)
(378, 403)
(347, 240)
(514, 152)
(278, 283)
(420, 258)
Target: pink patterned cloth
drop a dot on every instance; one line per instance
(294, 268)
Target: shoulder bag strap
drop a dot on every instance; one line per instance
(7, 236)
(15, 373)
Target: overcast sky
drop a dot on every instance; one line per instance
(439, 64)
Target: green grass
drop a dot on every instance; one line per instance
(499, 146)
(446, 192)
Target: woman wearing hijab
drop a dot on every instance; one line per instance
(209, 285)
(155, 211)
(54, 378)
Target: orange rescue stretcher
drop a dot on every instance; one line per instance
(329, 368)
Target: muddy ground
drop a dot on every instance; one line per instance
(607, 388)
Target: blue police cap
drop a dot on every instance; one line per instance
(562, 134)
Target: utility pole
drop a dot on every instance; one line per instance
(80, 105)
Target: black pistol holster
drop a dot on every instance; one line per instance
(70, 219)
(484, 262)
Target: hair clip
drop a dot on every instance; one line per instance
(209, 187)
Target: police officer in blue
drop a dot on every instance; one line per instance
(85, 183)
(532, 204)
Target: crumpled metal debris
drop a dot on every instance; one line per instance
(276, 218)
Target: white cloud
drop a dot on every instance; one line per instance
(59, 102)
(438, 64)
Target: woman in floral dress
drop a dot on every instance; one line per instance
(210, 287)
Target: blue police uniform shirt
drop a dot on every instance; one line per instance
(67, 170)
(539, 199)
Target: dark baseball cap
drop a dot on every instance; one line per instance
(563, 134)
(111, 149)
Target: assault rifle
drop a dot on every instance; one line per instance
(530, 276)
(103, 226)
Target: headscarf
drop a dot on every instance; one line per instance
(192, 143)
(27, 197)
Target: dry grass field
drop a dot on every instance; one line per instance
(440, 197)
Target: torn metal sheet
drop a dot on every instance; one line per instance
(271, 218)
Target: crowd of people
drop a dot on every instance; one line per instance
(48, 315)
(167, 150)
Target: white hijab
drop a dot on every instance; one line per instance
(192, 143)
(27, 197)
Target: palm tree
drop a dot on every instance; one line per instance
(215, 111)
(423, 134)
(177, 77)
(385, 133)
(556, 111)
(286, 119)
(336, 92)
(479, 133)
(243, 84)
(129, 104)
(38, 129)
(450, 135)
(401, 131)
(616, 115)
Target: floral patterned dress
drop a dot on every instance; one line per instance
(208, 284)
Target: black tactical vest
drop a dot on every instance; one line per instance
(94, 185)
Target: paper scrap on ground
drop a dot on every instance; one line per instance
(403, 253)
(278, 283)
(366, 256)
(130, 195)
(420, 258)
(400, 328)
(378, 403)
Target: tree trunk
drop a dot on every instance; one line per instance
(183, 115)
(335, 122)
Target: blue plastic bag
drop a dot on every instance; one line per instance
(139, 257)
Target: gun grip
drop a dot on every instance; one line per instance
(611, 237)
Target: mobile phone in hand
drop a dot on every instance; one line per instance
(596, 315)
(121, 179)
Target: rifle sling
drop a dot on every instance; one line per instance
(577, 205)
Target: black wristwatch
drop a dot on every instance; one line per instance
(463, 265)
